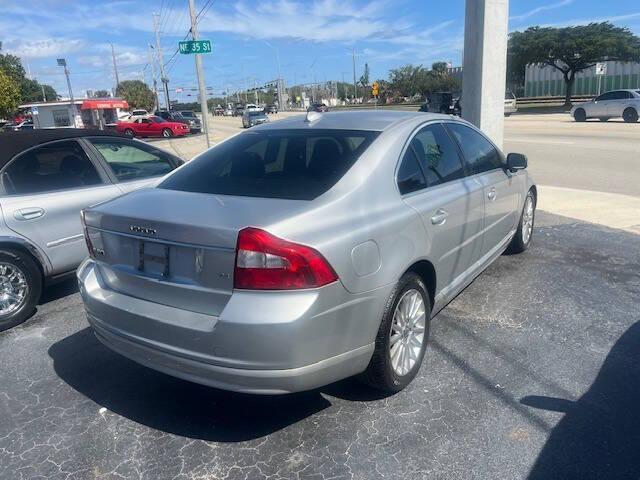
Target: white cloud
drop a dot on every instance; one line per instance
(45, 48)
(543, 8)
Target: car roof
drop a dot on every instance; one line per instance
(12, 143)
(361, 119)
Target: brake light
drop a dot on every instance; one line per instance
(266, 262)
(87, 239)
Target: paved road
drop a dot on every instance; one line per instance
(533, 371)
(594, 156)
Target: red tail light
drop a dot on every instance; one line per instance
(266, 262)
(86, 235)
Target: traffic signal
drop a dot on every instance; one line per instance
(374, 89)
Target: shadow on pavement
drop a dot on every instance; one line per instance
(57, 291)
(183, 408)
(599, 437)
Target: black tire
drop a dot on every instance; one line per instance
(630, 115)
(167, 133)
(519, 243)
(580, 115)
(129, 133)
(380, 373)
(603, 119)
(25, 263)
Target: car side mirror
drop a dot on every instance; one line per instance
(516, 161)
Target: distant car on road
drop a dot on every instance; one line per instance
(17, 127)
(303, 252)
(252, 107)
(444, 102)
(318, 107)
(195, 124)
(252, 117)
(218, 111)
(174, 116)
(270, 109)
(510, 103)
(613, 104)
(151, 126)
(228, 112)
(238, 110)
(46, 178)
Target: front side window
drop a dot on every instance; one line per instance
(437, 155)
(479, 153)
(56, 166)
(129, 161)
(291, 164)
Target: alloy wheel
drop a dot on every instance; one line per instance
(407, 332)
(14, 288)
(527, 219)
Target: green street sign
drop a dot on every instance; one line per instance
(195, 46)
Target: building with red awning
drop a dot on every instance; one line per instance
(86, 113)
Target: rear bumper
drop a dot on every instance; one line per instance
(317, 338)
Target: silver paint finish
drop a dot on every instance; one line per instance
(255, 331)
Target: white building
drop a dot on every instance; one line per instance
(87, 113)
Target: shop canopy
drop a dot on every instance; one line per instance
(103, 104)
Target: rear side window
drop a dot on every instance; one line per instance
(410, 177)
(291, 164)
(56, 166)
(479, 153)
(130, 161)
(437, 155)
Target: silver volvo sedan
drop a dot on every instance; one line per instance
(304, 251)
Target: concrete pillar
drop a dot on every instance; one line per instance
(485, 65)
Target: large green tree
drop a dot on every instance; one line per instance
(9, 95)
(136, 93)
(570, 49)
(30, 89)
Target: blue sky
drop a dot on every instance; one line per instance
(314, 38)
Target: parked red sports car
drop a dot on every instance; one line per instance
(151, 126)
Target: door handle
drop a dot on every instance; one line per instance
(28, 213)
(440, 217)
(492, 194)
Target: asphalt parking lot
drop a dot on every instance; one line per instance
(532, 372)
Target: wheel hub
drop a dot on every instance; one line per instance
(407, 332)
(13, 288)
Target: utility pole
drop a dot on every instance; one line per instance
(355, 88)
(200, 74)
(153, 75)
(115, 67)
(163, 77)
(44, 95)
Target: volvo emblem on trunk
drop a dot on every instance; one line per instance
(145, 230)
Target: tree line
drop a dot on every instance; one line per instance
(16, 88)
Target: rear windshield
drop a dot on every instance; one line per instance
(187, 114)
(288, 164)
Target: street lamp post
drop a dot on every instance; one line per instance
(63, 63)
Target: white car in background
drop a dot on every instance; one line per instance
(613, 104)
(252, 107)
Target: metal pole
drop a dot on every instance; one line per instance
(200, 74)
(115, 67)
(153, 76)
(71, 99)
(355, 88)
(163, 77)
(44, 95)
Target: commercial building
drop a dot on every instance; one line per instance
(86, 113)
(546, 81)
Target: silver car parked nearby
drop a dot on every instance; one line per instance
(304, 251)
(46, 178)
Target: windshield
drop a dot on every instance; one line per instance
(289, 164)
(187, 114)
(155, 119)
(256, 114)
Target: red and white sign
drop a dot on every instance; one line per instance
(104, 104)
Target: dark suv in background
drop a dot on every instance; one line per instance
(187, 117)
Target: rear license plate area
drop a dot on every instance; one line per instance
(154, 259)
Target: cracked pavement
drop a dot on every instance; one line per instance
(533, 371)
